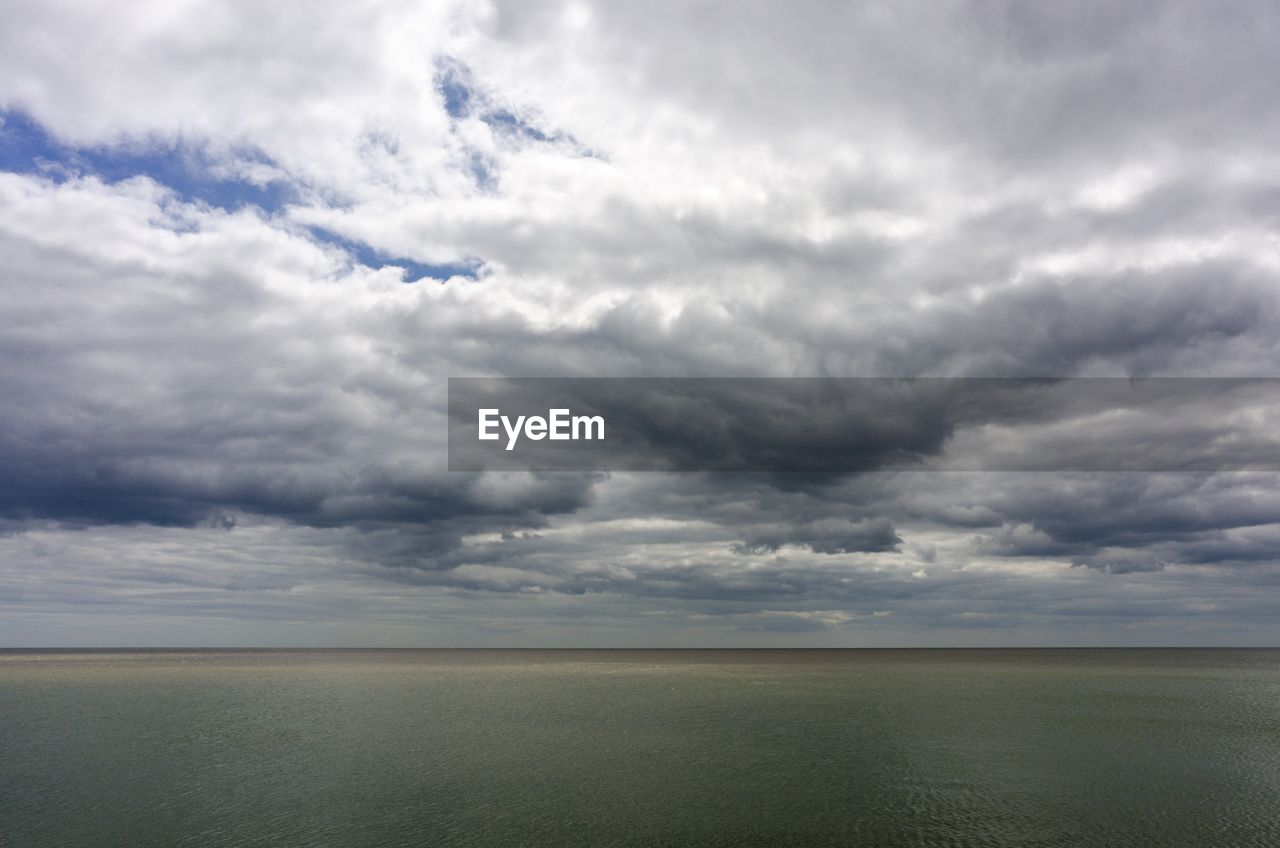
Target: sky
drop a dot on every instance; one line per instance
(245, 246)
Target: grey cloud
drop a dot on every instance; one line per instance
(825, 536)
(1013, 82)
(1122, 562)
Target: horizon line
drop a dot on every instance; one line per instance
(319, 648)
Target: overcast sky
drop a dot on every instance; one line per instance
(245, 244)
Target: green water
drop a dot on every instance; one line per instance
(641, 748)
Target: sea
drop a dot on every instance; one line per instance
(484, 748)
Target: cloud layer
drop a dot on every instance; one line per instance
(245, 247)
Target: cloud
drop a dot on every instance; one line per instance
(223, 403)
(825, 536)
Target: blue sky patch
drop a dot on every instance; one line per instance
(509, 123)
(26, 147)
(457, 87)
(413, 270)
(463, 97)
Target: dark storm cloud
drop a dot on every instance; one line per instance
(145, 395)
(1137, 509)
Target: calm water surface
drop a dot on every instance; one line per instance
(641, 748)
